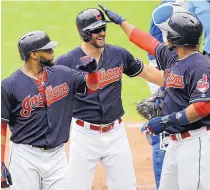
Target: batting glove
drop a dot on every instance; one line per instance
(113, 17)
(87, 64)
(6, 179)
(157, 125)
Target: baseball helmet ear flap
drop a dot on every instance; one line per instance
(22, 56)
(86, 35)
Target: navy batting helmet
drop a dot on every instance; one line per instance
(184, 29)
(88, 20)
(33, 41)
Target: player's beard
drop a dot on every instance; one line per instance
(44, 62)
(95, 43)
(170, 46)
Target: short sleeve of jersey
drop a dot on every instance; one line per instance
(79, 81)
(132, 66)
(6, 104)
(66, 60)
(164, 56)
(199, 87)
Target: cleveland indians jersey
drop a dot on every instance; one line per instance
(186, 81)
(105, 105)
(34, 119)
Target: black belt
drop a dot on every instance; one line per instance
(45, 149)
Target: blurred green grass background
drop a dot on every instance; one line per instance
(58, 20)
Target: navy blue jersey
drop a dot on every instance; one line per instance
(105, 105)
(186, 80)
(32, 120)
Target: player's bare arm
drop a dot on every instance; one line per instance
(153, 75)
(142, 39)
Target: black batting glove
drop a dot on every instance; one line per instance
(87, 64)
(6, 179)
(113, 17)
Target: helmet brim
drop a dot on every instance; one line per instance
(49, 45)
(96, 25)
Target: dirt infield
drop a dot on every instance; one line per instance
(141, 152)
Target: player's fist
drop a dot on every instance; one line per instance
(6, 179)
(155, 125)
(114, 17)
(87, 64)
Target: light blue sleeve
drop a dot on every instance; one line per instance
(201, 9)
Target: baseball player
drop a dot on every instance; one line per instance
(201, 9)
(36, 103)
(98, 133)
(187, 101)
(160, 142)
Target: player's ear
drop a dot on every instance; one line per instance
(34, 55)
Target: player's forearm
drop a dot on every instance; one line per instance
(3, 139)
(191, 114)
(127, 27)
(152, 75)
(197, 111)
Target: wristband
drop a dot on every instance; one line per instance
(179, 118)
(93, 78)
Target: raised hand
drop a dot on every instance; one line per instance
(6, 179)
(114, 17)
(88, 64)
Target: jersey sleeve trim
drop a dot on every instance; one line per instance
(158, 61)
(82, 93)
(6, 120)
(138, 72)
(200, 100)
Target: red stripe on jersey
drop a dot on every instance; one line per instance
(40, 85)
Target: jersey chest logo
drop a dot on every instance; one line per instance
(52, 95)
(110, 76)
(202, 84)
(173, 80)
